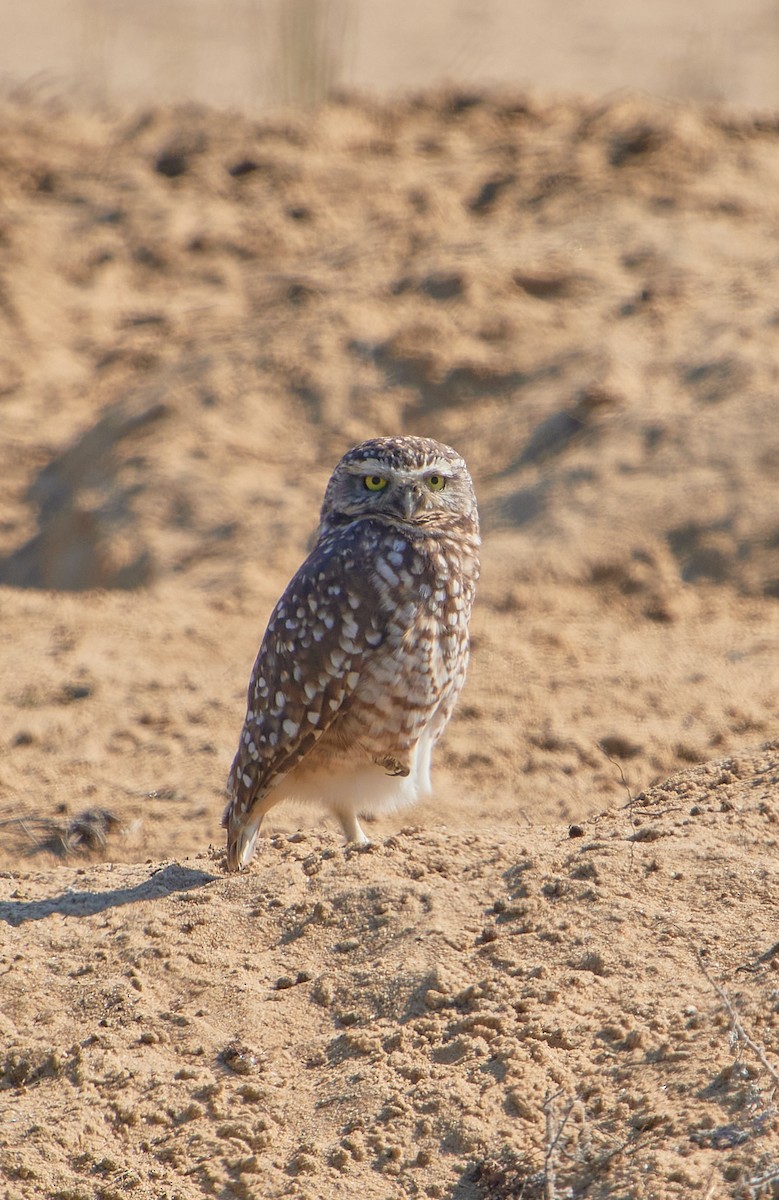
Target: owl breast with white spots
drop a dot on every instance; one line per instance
(365, 654)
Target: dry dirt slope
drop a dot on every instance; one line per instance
(198, 314)
(198, 307)
(560, 1012)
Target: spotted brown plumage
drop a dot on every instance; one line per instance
(365, 653)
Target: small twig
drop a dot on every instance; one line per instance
(654, 812)
(736, 1022)
(87, 830)
(26, 829)
(19, 820)
(552, 1137)
(759, 1180)
(629, 806)
(765, 957)
(629, 1143)
(768, 954)
(554, 1131)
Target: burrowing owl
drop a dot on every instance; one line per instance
(365, 653)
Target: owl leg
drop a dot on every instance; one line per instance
(353, 830)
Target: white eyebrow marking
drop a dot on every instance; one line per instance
(367, 466)
(373, 466)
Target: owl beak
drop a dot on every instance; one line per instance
(410, 498)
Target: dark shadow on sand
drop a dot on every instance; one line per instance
(162, 882)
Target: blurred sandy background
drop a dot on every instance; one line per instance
(255, 54)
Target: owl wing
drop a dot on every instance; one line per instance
(328, 620)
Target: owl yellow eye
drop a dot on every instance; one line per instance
(436, 483)
(374, 483)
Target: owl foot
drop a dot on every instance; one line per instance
(353, 830)
(393, 766)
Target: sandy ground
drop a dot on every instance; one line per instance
(514, 996)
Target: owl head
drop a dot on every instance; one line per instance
(408, 481)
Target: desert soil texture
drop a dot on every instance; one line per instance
(558, 977)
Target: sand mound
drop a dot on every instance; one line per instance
(517, 997)
(551, 1012)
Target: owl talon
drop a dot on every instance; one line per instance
(393, 766)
